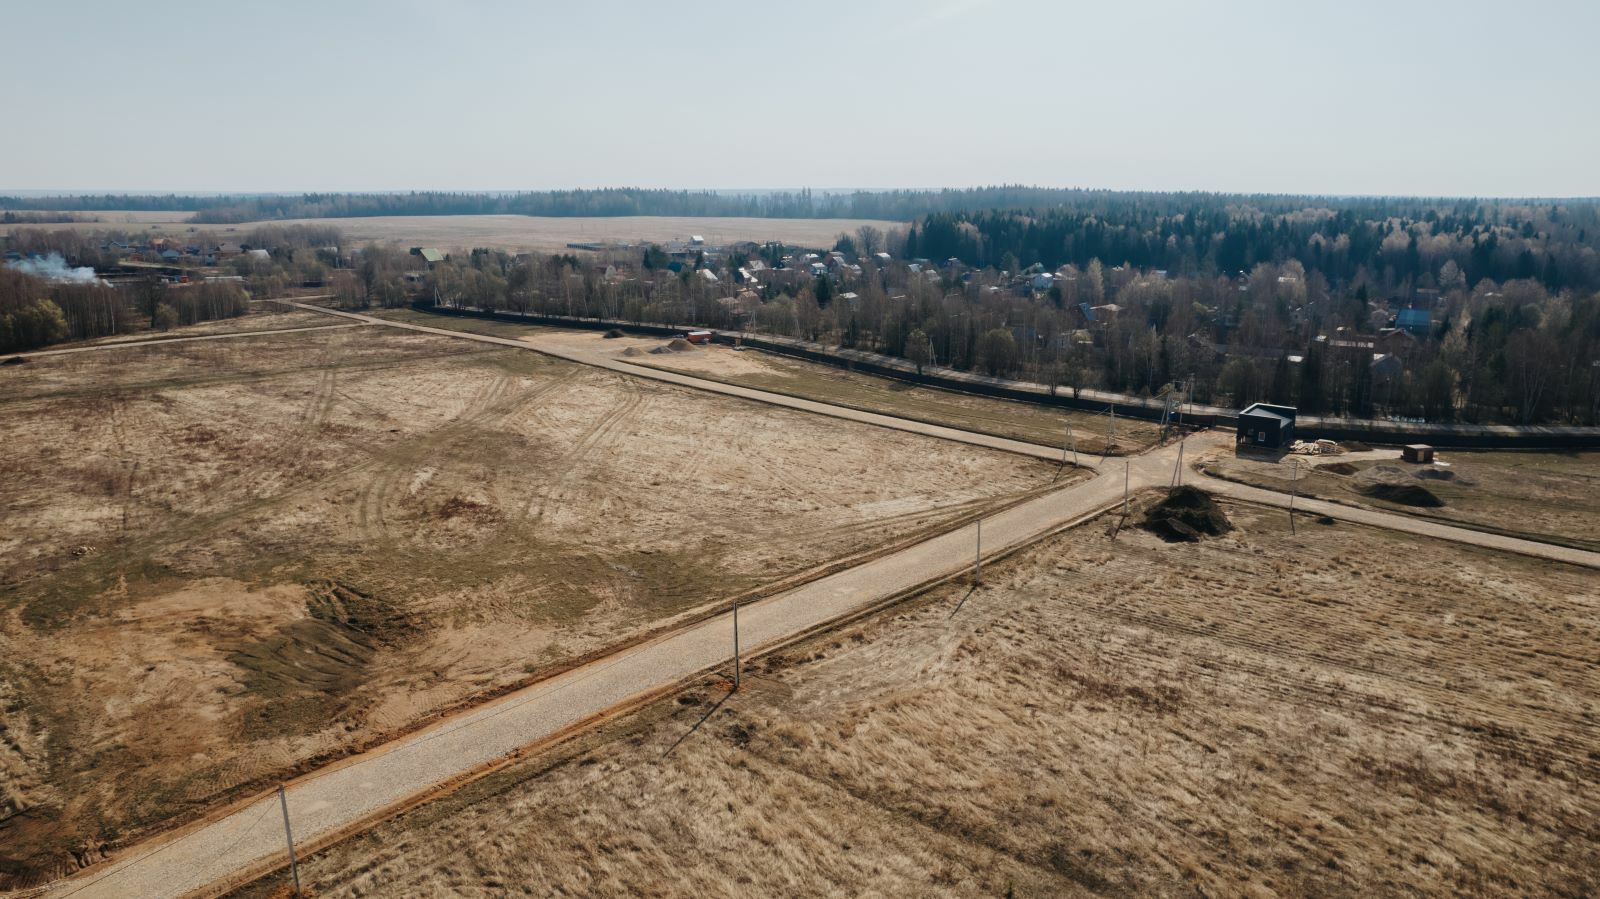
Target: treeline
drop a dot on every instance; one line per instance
(1116, 209)
(35, 312)
(1498, 352)
(1389, 245)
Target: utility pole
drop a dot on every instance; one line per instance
(736, 644)
(1126, 467)
(1073, 441)
(1112, 440)
(1177, 470)
(294, 864)
(977, 561)
(1294, 481)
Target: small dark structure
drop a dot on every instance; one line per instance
(1417, 452)
(1267, 426)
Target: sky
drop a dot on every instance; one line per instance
(1462, 98)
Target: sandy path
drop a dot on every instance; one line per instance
(1420, 526)
(600, 360)
(347, 795)
(1202, 444)
(160, 341)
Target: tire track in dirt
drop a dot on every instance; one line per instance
(599, 435)
(1513, 728)
(489, 405)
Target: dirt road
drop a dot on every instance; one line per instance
(761, 396)
(1198, 446)
(160, 341)
(1393, 522)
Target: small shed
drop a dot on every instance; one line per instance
(1417, 452)
(1268, 426)
(698, 337)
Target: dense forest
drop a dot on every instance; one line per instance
(1141, 213)
(1396, 242)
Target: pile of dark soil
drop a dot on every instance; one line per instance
(1435, 474)
(1338, 468)
(1185, 516)
(1354, 446)
(14, 360)
(679, 345)
(633, 351)
(1404, 494)
(613, 333)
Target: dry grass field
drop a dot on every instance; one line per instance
(225, 560)
(514, 233)
(813, 381)
(1552, 497)
(1349, 712)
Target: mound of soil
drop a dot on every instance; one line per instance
(633, 351)
(14, 360)
(1354, 446)
(1338, 468)
(1185, 516)
(1404, 494)
(661, 350)
(679, 345)
(613, 333)
(1435, 474)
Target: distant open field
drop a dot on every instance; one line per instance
(1349, 712)
(224, 560)
(517, 233)
(1551, 496)
(809, 380)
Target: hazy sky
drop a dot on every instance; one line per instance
(1452, 98)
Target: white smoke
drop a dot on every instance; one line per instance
(55, 268)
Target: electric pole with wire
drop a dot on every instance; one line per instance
(294, 864)
(1294, 481)
(736, 644)
(977, 560)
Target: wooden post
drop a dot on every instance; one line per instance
(1294, 481)
(1125, 476)
(294, 864)
(977, 562)
(736, 644)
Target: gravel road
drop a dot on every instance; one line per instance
(346, 793)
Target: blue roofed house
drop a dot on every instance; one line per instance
(1417, 321)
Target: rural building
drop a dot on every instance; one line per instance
(1264, 425)
(1416, 321)
(429, 255)
(1417, 452)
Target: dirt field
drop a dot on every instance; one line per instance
(1552, 496)
(518, 233)
(809, 380)
(225, 559)
(1349, 713)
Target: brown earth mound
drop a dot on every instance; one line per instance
(613, 333)
(1354, 446)
(1404, 494)
(1339, 468)
(679, 345)
(633, 351)
(1185, 516)
(1435, 474)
